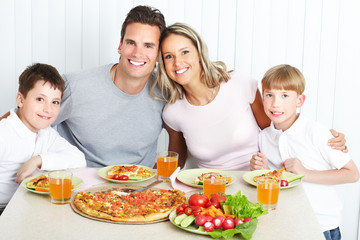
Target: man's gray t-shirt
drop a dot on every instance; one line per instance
(108, 125)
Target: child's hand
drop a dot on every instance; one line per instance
(258, 161)
(294, 165)
(28, 168)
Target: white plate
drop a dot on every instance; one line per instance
(76, 182)
(189, 175)
(249, 176)
(102, 172)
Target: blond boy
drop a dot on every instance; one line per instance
(301, 146)
(26, 140)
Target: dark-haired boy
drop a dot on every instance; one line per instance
(26, 140)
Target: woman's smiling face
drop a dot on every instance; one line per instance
(181, 59)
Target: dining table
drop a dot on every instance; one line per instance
(32, 216)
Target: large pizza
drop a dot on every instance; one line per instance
(117, 205)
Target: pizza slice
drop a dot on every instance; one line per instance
(199, 180)
(41, 181)
(134, 172)
(276, 174)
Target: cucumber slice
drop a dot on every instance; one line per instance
(294, 178)
(180, 218)
(187, 221)
(135, 178)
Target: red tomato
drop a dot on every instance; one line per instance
(123, 178)
(216, 197)
(216, 204)
(115, 177)
(184, 205)
(209, 226)
(200, 220)
(238, 221)
(196, 211)
(198, 200)
(179, 210)
(188, 211)
(284, 183)
(228, 223)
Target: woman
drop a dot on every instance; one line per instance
(218, 120)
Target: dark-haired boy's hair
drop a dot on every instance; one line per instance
(37, 72)
(144, 15)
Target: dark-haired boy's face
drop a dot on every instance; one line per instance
(40, 107)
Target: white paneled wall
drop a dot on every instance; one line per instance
(320, 37)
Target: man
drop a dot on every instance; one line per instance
(107, 111)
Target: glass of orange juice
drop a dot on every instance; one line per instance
(214, 185)
(167, 162)
(60, 187)
(268, 189)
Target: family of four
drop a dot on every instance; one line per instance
(114, 114)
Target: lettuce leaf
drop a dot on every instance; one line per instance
(241, 207)
(246, 230)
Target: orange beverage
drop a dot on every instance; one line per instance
(214, 185)
(268, 192)
(167, 163)
(60, 187)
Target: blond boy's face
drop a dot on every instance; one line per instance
(40, 107)
(280, 106)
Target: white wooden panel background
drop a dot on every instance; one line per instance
(320, 37)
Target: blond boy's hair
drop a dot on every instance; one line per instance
(284, 77)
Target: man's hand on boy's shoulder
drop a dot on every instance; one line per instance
(5, 115)
(28, 168)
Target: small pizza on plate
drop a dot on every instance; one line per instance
(138, 207)
(133, 172)
(39, 182)
(199, 180)
(275, 174)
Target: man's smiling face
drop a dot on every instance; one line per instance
(139, 51)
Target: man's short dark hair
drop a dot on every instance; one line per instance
(145, 15)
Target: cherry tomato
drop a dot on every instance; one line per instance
(216, 204)
(216, 197)
(115, 177)
(209, 226)
(198, 200)
(184, 205)
(179, 210)
(238, 221)
(228, 223)
(208, 204)
(188, 211)
(284, 183)
(200, 220)
(123, 178)
(196, 211)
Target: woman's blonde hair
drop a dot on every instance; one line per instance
(284, 77)
(212, 74)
